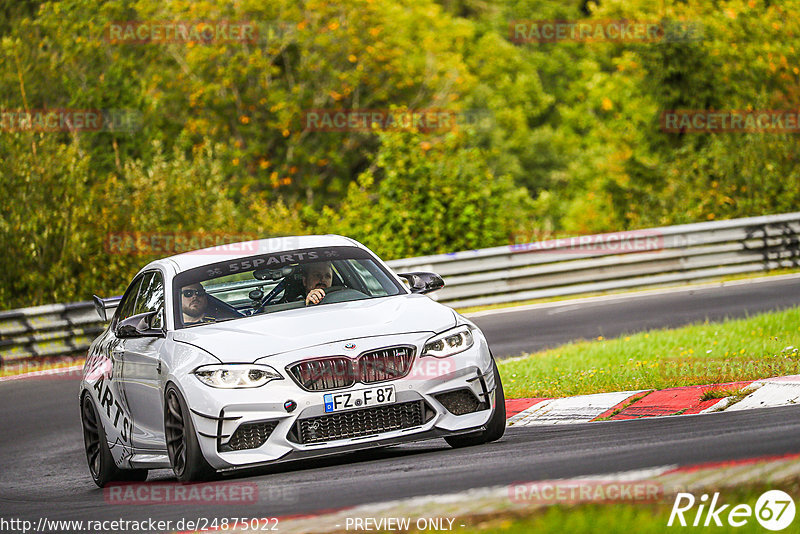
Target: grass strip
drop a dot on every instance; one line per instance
(757, 347)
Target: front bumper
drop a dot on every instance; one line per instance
(256, 418)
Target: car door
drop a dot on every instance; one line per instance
(110, 396)
(141, 369)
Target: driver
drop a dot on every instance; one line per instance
(194, 303)
(316, 278)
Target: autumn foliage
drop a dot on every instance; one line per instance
(552, 138)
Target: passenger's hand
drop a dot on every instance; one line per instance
(315, 296)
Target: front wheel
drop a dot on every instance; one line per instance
(188, 462)
(496, 426)
(98, 454)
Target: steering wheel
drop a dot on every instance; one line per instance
(331, 289)
(328, 291)
(342, 294)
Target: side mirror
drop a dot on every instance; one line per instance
(148, 324)
(105, 307)
(423, 282)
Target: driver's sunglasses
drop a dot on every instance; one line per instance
(189, 293)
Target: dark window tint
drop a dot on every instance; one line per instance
(150, 294)
(126, 306)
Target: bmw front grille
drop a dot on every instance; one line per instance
(339, 372)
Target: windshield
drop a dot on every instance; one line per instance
(277, 282)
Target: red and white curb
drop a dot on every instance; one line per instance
(770, 392)
(765, 393)
(570, 410)
(780, 391)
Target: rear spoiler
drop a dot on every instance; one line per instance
(105, 307)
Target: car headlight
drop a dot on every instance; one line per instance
(229, 376)
(448, 343)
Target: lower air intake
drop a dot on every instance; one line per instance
(364, 422)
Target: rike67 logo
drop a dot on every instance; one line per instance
(774, 510)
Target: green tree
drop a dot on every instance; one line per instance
(44, 219)
(427, 197)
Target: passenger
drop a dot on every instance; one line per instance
(194, 303)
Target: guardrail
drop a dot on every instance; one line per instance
(651, 257)
(47, 331)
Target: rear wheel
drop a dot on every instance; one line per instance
(188, 462)
(98, 455)
(496, 426)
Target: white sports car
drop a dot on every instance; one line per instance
(275, 350)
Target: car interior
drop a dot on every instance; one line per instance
(245, 298)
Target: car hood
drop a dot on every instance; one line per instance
(247, 339)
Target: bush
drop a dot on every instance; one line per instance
(427, 197)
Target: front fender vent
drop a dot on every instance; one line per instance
(460, 402)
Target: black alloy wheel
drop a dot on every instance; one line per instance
(98, 455)
(183, 449)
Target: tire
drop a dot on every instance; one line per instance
(98, 455)
(185, 456)
(496, 426)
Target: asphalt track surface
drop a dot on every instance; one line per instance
(514, 332)
(43, 470)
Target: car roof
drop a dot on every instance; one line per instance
(235, 251)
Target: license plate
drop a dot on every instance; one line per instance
(360, 398)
